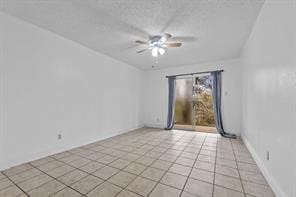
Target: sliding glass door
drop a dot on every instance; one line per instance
(194, 104)
(184, 104)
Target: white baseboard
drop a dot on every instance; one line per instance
(158, 126)
(57, 149)
(269, 178)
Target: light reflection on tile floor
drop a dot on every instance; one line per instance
(144, 162)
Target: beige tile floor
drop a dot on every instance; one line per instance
(145, 162)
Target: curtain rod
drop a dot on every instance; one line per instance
(193, 73)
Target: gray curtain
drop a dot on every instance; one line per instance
(216, 83)
(171, 102)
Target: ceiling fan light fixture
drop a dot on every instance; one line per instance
(161, 51)
(154, 51)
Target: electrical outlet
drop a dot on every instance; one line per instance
(59, 136)
(267, 155)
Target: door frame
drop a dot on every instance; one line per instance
(193, 109)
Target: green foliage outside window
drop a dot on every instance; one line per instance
(204, 113)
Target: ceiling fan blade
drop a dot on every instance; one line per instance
(184, 38)
(176, 44)
(141, 51)
(141, 42)
(167, 35)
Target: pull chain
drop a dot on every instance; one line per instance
(156, 62)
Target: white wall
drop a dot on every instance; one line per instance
(156, 93)
(269, 94)
(1, 92)
(51, 85)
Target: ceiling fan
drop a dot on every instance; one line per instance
(158, 44)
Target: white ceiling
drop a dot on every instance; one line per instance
(218, 28)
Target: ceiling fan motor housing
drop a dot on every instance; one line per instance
(158, 44)
(156, 41)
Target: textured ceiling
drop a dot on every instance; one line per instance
(218, 28)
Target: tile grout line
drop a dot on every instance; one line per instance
(146, 166)
(150, 167)
(180, 164)
(75, 168)
(165, 171)
(150, 164)
(89, 174)
(138, 175)
(198, 169)
(114, 160)
(213, 189)
(15, 185)
(101, 168)
(57, 181)
(240, 178)
(183, 189)
(167, 148)
(171, 166)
